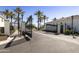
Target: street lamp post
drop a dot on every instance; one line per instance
(72, 27)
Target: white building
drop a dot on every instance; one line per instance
(63, 23)
(4, 26)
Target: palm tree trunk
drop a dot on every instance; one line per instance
(11, 26)
(38, 24)
(22, 18)
(18, 24)
(65, 26)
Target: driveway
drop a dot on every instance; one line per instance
(44, 43)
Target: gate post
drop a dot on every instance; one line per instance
(58, 30)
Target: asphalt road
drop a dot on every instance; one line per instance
(43, 44)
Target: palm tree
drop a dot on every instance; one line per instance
(22, 14)
(39, 14)
(54, 19)
(11, 15)
(18, 12)
(6, 13)
(44, 18)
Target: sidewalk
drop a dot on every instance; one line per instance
(68, 38)
(18, 40)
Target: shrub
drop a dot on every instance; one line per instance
(67, 32)
(76, 33)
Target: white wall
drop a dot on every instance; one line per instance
(1, 22)
(68, 21)
(76, 23)
(7, 27)
(51, 28)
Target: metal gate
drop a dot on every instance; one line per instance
(28, 26)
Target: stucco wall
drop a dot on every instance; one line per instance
(76, 23)
(7, 27)
(68, 22)
(1, 22)
(51, 28)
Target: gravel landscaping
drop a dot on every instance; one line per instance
(3, 38)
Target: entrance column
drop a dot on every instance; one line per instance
(58, 30)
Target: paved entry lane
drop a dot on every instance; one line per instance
(43, 43)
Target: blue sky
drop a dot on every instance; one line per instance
(50, 11)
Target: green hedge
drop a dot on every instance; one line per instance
(68, 32)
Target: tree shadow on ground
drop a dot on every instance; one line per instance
(20, 41)
(8, 44)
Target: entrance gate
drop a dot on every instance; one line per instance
(28, 26)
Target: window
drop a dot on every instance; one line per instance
(2, 29)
